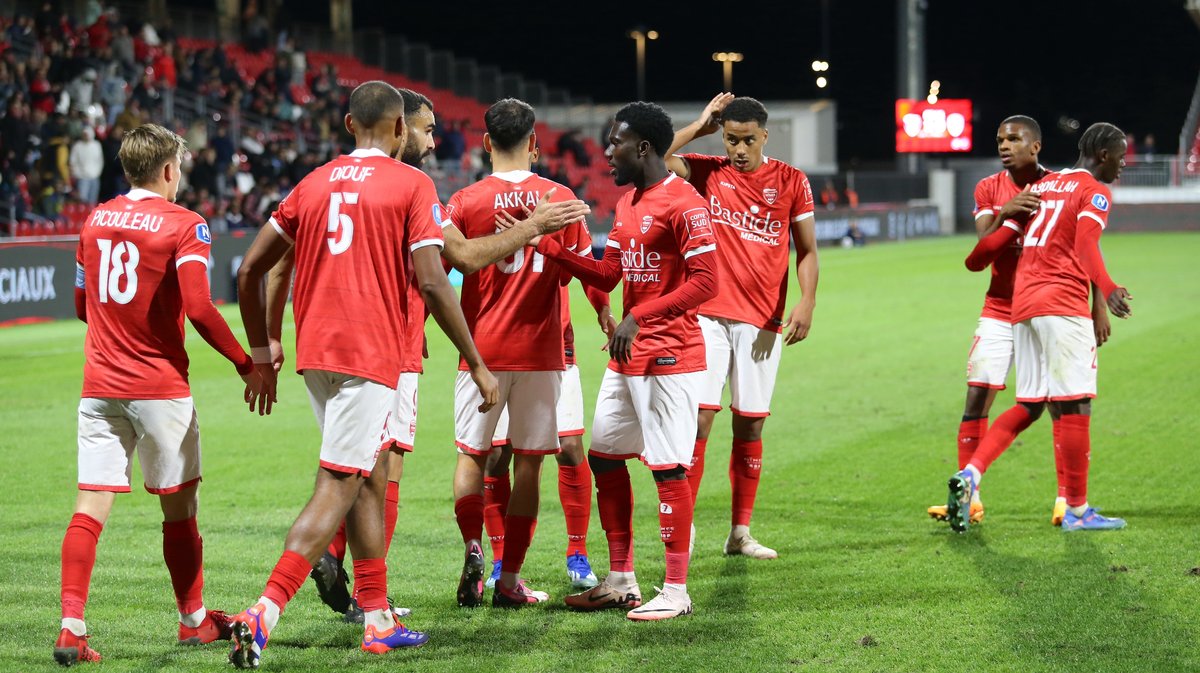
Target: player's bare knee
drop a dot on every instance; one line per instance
(1035, 409)
(704, 423)
(670, 474)
(602, 465)
(571, 453)
(96, 504)
(979, 402)
(1080, 407)
(181, 505)
(748, 428)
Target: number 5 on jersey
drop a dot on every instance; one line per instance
(116, 261)
(340, 242)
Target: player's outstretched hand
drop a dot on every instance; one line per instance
(620, 345)
(505, 221)
(489, 387)
(798, 323)
(260, 388)
(710, 119)
(1118, 303)
(551, 217)
(608, 325)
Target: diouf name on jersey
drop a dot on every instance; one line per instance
(506, 200)
(750, 227)
(640, 265)
(125, 219)
(1055, 186)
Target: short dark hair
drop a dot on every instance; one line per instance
(1099, 136)
(1030, 123)
(372, 102)
(650, 122)
(509, 123)
(413, 101)
(745, 109)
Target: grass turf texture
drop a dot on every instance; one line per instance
(861, 441)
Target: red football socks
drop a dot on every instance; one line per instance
(391, 512)
(970, 433)
(1000, 436)
(1058, 459)
(696, 472)
(614, 499)
(337, 547)
(370, 584)
(496, 491)
(287, 577)
(675, 526)
(183, 550)
(1076, 456)
(468, 510)
(745, 468)
(575, 493)
(518, 533)
(78, 559)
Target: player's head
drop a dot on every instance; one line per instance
(640, 135)
(420, 123)
(150, 156)
(376, 117)
(509, 125)
(1019, 140)
(744, 125)
(1102, 151)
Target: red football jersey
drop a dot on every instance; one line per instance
(582, 245)
(414, 338)
(514, 307)
(1050, 279)
(129, 250)
(991, 194)
(655, 231)
(752, 214)
(355, 222)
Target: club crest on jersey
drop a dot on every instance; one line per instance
(1100, 203)
(203, 234)
(647, 222)
(770, 193)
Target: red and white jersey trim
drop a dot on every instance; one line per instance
(699, 251)
(1093, 216)
(191, 258)
(281, 231)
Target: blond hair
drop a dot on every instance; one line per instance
(145, 150)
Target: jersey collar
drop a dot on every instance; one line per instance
(368, 152)
(514, 177)
(137, 194)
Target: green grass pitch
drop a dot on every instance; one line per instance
(861, 441)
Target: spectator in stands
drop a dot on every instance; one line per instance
(571, 144)
(15, 133)
(204, 171)
(829, 195)
(1148, 149)
(22, 38)
(854, 237)
(112, 178)
(223, 145)
(851, 197)
(123, 52)
(451, 147)
(87, 164)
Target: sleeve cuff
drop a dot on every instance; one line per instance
(246, 366)
(282, 233)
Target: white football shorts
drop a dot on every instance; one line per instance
(991, 356)
(531, 398)
(648, 417)
(165, 434)
(569, 410)
(352, 413)
(747, 357)
(1056, 358)
(402, 422)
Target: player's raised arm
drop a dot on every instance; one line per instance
(268, 248)
(443, 305)
(603, 274)
(707, 123)
(471, 255)
(279, 283)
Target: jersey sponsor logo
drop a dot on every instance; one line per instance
(665, 362)
(1100, 203)
(727, 185)
(647, 222)
(770, 193)
(750, 226)
(203, 234)
(698, 223)
(641, 265)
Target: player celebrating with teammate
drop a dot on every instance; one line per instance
(359, 224)
(1052, 330)
(661, 246)
(757, 205)
(517, 300)
(142, 266)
